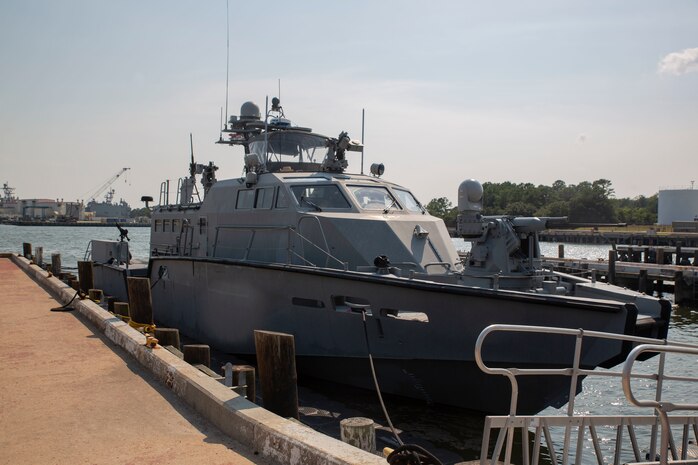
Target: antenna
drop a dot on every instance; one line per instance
(192, 165)
(279, 94)
(227, 57)
(363, 115)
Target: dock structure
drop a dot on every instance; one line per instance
(82, 386)
(596, 236)
(648, 269)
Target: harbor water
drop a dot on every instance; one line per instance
(452, 435)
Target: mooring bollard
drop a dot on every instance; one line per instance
(359, 432)
(27, 250)
(561, 251)
(276, 361)
(39, 256)
(56, 264)
(75, 284)
(168, 337)
(140, 301)
(85, 276)
(197, 354)
(248, 373)
(110, 303)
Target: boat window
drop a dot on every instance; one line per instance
(165, 225)
(325, 196)
(175, 225)
(374, 197)
(265, 197)
(245, 199)
(157, 226)
(282, 200)
(408, 201)
(293, 146)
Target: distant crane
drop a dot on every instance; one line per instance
(108, 183)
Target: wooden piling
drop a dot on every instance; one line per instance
(682, 291)
(56, 264)
(86, 276)
(95, 294)
(359, 432)
(678, 253)
(611, 276)
(168, 337)
(75, 284)
(110, 303)
(276, 361)
(197, 354)
(121, 309)
(140, 301)
(561, 251)
(39, 256)
(660, 256)
(27, 250)
(642, 281)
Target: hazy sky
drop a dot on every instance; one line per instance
(496, 91)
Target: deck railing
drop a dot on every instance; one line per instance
(544, 425)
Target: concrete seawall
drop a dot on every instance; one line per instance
(274, 438)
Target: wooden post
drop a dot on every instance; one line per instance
(248, 372)
(678, 253)
(642, 281)
(659, 287)
(85, 276)
(168, 337)
(39, 256)
(695, 258)
(611, 276)
(56, 264)
(197, 354)
(75, 284)
(140, 302)
(110, 303)
(660, 255)
(27, 250)
(121, 309)
(359, 432)
(682, 292)
(561, 251)
(95, 294)
(276, 361)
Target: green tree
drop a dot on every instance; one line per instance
(439, 207)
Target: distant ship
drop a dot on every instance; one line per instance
(108, 209)
(8, 202)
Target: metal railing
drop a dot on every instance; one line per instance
(508, 425)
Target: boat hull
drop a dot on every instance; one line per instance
(421, 334)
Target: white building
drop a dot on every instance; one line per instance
(677, 205)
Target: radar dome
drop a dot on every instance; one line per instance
(470, 195)
(249, 111)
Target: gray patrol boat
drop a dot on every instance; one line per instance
(351, 264)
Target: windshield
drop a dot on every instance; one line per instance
(298, 147)
(324, 196)
(374, 197)
(408, 201)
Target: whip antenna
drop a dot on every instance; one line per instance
(227, 57)
(363, 146)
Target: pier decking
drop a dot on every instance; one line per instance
(69, 395)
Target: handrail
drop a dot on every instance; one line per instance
(508, 424)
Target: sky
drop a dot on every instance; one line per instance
(527, 92)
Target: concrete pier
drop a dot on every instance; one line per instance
(82, 387)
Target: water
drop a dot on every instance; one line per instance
(451, 434)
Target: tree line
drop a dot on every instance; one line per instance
(586, 202)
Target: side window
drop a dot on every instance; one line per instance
(282, 200)
(165, 225)
(158, 226)
(265, 197)
(245, 199)
(175, 225)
